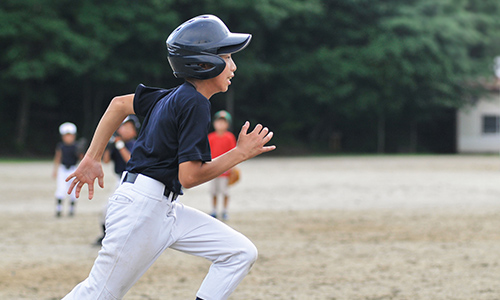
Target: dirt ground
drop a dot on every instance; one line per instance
(369, 227)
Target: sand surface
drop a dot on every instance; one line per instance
(390, 227)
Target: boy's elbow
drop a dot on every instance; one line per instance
(117, 103)
(189, 174)
(188, 186)
(123, 104)
(187, 182)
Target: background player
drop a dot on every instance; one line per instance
(65, 159)
(118, 151)
(171, 152)
(221, 141)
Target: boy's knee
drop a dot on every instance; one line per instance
(250, 254)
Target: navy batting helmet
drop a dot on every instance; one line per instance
(201, 40)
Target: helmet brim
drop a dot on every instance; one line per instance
(234, 42)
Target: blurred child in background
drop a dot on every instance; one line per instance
(65, 159)
(221, 141)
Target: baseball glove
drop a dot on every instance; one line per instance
(234, 176)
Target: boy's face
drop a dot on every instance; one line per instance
(68, 138)
(127, 131)
(223, 80)
(221, 125)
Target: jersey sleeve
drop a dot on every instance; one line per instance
(145, 98)
(193, 132)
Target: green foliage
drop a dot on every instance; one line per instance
(314, 67)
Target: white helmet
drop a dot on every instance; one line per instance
(66, 128)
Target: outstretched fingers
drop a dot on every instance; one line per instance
(267, 136)
(257, 129)
(91, 190)
(86, 173)
(73, 183)
(254, 143)
(78, 184)
(266, 140)
(100, 180)
(263, 133)
(244, 129)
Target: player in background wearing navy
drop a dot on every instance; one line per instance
(66, 157)
(172, 152)
(221, 140)
(119, 150)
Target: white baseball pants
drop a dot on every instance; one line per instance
(141, 223)
(219, 186)
(62, 185)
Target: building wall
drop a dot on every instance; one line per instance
(478, 126)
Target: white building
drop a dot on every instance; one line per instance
(478, 126)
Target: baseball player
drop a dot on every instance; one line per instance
(171, 152)
(221, 141)
(118, 151)
(65, 159)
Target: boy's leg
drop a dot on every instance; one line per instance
(58, 207)
(231, 253)
(72, 196)
(137, 230)
(213, 193)
(224, 188)
(72, 206)
(225, 215)
(226, 202)
(214, 207)
(61, 189)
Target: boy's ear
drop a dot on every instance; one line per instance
(205, 66)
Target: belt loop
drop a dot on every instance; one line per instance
(124, 177)
(129, 177)
(171, 196)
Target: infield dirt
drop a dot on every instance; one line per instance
(371, 227)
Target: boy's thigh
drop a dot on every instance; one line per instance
(136, 234)
(199, 234)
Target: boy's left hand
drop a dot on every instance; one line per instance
(86, 173)
(254, 143)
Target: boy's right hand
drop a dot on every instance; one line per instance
(254, 143)
(86, 173)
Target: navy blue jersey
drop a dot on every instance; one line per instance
(117, 158)
(174, 130)
(70, 154)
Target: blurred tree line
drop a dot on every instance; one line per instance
(324, 75)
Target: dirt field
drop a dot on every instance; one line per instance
(419, 227)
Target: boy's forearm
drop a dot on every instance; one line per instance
(225, 162)
(118, 110)
(192, 174)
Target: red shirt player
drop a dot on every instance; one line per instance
(221, 141)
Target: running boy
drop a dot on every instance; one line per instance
(171, 152)
(65, 159)
(221, 141)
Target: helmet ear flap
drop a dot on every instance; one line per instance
(195, 66)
